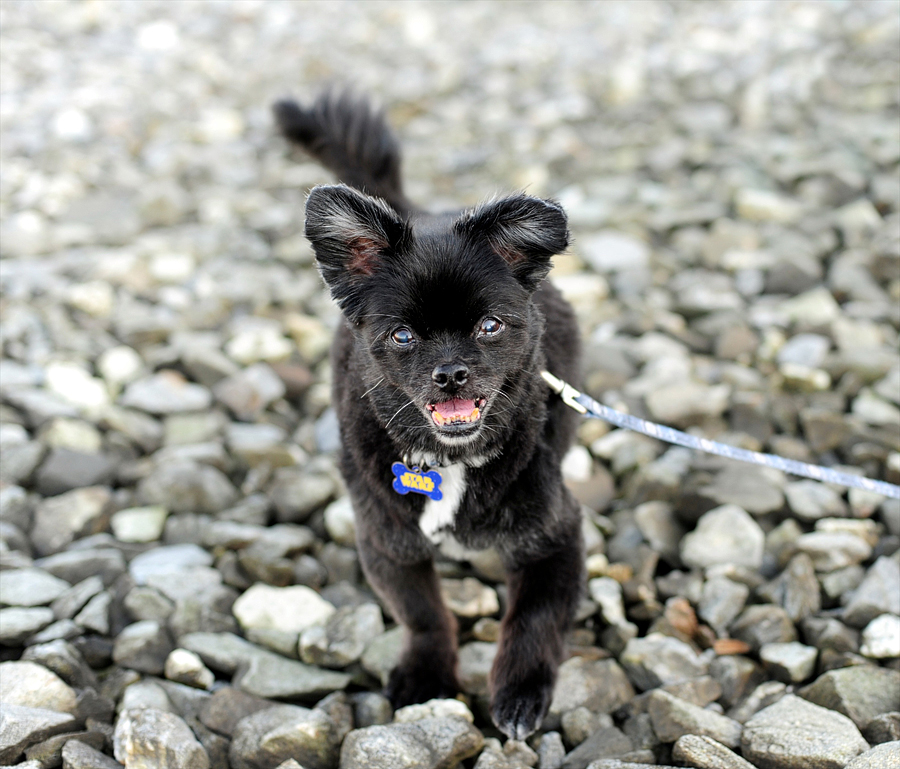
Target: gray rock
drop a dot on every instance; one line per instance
(759, 625)
(272, 676)
(49, 752)
(474, 668)
(811, 500)
(796, 589)
(23, 726)
(64, 629)
(673, 718)
(248, 392)
(287, 609)
(207, 365)
(63, 470)
(339, 709)
(551, 752)
(601, 686)
(660, 528)
(469, 598)
(615, 763)
(110, 216)
(722, 600)
(183, 584)
(753, 489)
(34, 686)
(767, 693)
(860, 692)
(737, 676)
(16, 548)
(95, 614)
(76, 566)
(790, 662)
(15, 507)
(612, 251)
(72, 601)
(436, 708)
(581, 723)
(227, 706)
(833, 550)
(59, 520)
(429, 743)
(296, 493)
(143, 646)
(829, 633)
(166, 392)
(881, 638)
(139, 428)
(657, 660)
(20, 461)
(270, 736)
(883, 728)
(725, 535)
(185, 667)
(879, 593)
(880, 757)
(607, 594)
(146, 603)
(150, 737)
(343, 637)
(705, 753)
(794, 732)
(511, 755)
(192, 428)
(805, 349)
(681, 403)
(171, 559)
(139, 524)
(65, 661)
(340, 522)
(30, 587)
(371, 709)
(221, 651)
(39, 406)
(256, 444)
(184, 487)
(17, 624)
(77, 755)
(604, 743)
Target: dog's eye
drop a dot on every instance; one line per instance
(490, 327)
(402, 337)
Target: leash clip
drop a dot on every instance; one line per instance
(565, 391)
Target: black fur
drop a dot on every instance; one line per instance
(391, 266)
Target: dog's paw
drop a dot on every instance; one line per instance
(518, 709)
(412, 683)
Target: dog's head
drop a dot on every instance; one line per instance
(442, 305)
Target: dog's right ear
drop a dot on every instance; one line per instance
(352, 234)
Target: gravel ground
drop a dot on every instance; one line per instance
(179, 581)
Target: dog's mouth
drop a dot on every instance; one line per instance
(456, 414)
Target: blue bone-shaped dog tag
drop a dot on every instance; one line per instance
(415, 480)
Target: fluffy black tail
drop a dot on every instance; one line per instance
(351, 139)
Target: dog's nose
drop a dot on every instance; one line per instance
(450, 376)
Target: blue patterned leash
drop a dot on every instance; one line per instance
(584, 404)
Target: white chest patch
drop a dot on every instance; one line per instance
(438, 516)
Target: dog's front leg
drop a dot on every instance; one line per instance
(412, 591)
(543, 596)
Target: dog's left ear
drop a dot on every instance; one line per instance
(524, 231)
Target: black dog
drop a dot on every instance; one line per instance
(448, 324)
